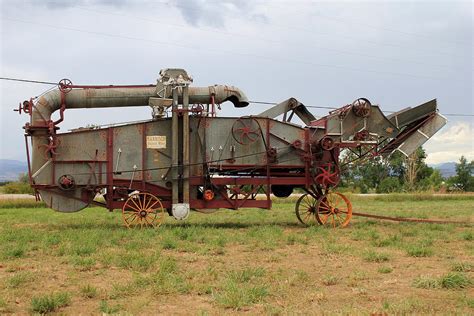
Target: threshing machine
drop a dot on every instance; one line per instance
(186, 158)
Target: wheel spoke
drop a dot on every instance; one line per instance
(142, 199)
(339, 216)
(130, 215)
(137, 203)
(133, 201)
(148, 201)
(157, 201)
(325, 208)
(338, 200)
(130, 208)
(151, 224)
(134, 218)
(325, 218)
(307, 216)
(329, 206)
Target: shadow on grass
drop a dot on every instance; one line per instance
(168, 225)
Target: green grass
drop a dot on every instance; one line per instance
(419, 251)
(330, 280)
(241, 288)
(385, 269)
(454, 280)
(50, 303)
(254, 261)
(426, 282)
(105, 308)
(89, 291)
(467, 235)
(373, 256)
(450, 281)
(20, 279)
(421, 197)
(18, 251)
(462, 267)
(21, 203)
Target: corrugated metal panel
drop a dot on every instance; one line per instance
(403, 118)
(422, 134)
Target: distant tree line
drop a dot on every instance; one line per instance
(399, 173)
(22, 186)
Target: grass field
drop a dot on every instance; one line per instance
(256, 261)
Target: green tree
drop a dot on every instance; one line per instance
(436, 179)
(397, 162)
(464, 171)
(416, 170)
(389, 185)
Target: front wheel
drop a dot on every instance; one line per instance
(333, 209)
(143, 209)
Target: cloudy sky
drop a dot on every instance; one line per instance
(395, 53)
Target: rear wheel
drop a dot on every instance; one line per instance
(305, 209)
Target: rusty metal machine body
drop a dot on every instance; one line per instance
(195, 160)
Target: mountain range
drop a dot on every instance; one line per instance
(447, 169)
(11, 169)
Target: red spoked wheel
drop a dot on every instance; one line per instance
(305, 209)
(143, 209)
(361, 107)
(361, 135)
(246, 131)
(327, 143)
(328, 175)
(197, 109)
(65, 85)
(333, 209)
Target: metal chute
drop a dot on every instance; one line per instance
(416, 126)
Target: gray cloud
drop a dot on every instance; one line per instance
(214, 13)
(65, 4)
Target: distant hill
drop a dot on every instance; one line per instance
(11, 169)
(447, 169)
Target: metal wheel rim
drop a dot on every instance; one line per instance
(305, 209)
(334, 210)
(143, 210)
(240, 133)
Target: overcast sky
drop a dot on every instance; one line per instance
(395, 53)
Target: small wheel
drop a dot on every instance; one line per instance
(143, 209)
(361, 107)
(333, 209)
(65, 85)
(305, 209)
(327, 143)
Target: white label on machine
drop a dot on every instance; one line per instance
(156, 142)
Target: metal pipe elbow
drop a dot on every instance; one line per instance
(229, 93)
(46, 105)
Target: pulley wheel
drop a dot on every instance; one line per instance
(361, 107)
(246, 130)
